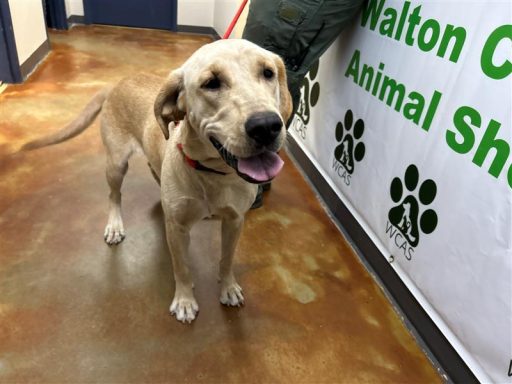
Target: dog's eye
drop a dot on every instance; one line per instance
(212, 84)
(268, 73)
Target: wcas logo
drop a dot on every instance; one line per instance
(309, 95)
(411, 219)
(350, 149)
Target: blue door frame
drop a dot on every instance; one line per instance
(10, 71)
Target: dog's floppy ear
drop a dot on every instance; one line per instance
(286, 106)
(169, 103)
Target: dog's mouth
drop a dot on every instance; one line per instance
(255, 169)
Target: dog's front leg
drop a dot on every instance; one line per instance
(184, 305)
(231, 292)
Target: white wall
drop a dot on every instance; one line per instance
(240, 25)
(28, 25)
(74, 7)
(196, 12)
(224, 12)
(211, 13)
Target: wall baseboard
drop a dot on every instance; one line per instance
(199, 30)
(422, 324)
(76, 19)
(35, 58)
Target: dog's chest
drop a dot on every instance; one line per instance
(227, 198)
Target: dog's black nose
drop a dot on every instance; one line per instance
(263, 127)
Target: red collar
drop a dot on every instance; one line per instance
(196, 164)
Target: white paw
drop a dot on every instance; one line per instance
(185, 309)
(232, 295)
(114, 234)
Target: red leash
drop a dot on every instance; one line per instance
(235, 19)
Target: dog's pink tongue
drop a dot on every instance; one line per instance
(261, 168)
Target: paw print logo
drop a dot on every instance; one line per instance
(309, 94)
(350, 149)
(408, 216)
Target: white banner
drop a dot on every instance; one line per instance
(409, 117)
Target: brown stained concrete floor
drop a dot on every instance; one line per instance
(73, 309)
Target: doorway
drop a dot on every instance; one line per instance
(156, 14)
(55, 14)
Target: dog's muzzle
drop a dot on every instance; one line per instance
(256, 169)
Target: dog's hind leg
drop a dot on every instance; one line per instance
(155, 176)
(119, 150)
(114, 231)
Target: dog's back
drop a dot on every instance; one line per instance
(128, 117)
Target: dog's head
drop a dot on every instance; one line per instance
(235, 95)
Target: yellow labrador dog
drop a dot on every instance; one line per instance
(210, 131)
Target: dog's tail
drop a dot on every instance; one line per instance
(74, 128)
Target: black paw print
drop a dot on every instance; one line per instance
(350, 148)
(309, 94)
(405, 215)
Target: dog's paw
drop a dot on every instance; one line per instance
(114, 234)
(232, 296)
(185, 309)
